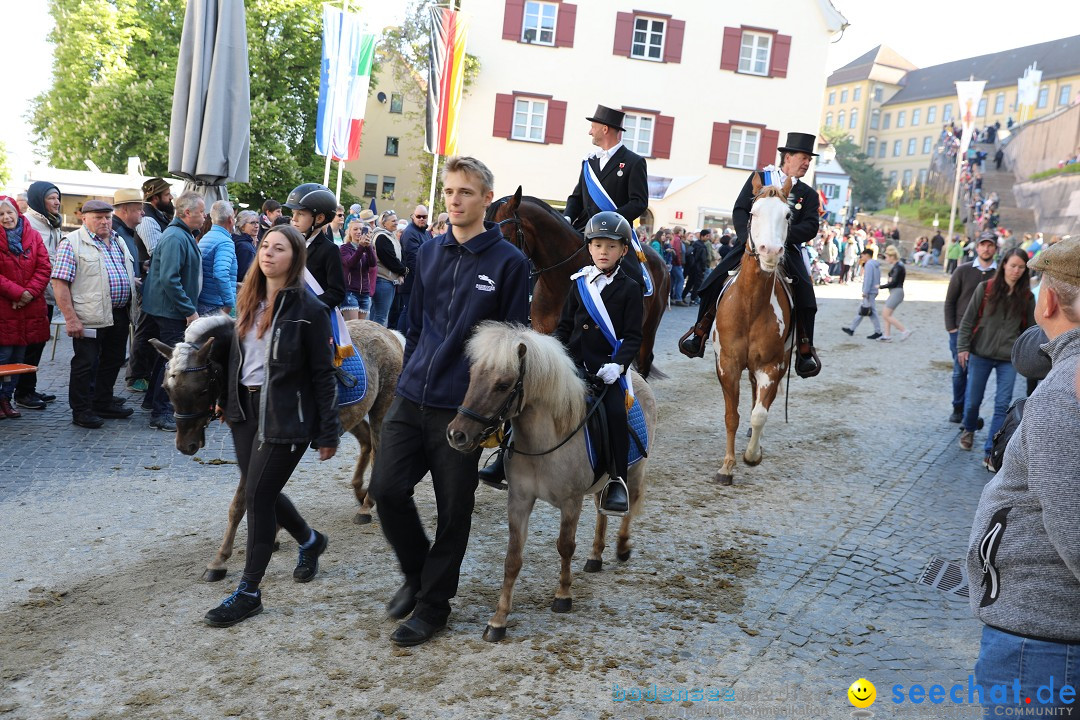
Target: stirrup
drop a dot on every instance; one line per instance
(699, 330)
(603, 496)
(812, 355)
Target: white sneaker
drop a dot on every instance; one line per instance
(884, 338)
(905, 335)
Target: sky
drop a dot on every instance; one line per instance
(926, 32)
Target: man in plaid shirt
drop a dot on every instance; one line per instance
(92, 279)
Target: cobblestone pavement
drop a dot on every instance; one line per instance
(787, 586)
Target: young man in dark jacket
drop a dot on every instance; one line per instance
(465, 277)
(961, 285)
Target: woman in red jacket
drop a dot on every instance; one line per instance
(24, 273)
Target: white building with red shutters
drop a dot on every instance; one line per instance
(709, 90)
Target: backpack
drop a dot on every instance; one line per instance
(1002, 436)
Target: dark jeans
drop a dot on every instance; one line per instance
(959, 376)
(170, 332)
(267, 467)
(676, 282)
(414, 443)
(979, 369)
(143, 354)
(27, 383)
(693, 282)
(90, 388)
(402, 324)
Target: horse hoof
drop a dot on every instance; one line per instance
(623, 556)
(562, 605)
(494, 634)
(213, 574)
(752, 463)
(722, 479)
(361, 519)
(592, 566)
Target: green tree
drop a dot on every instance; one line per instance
(5, 167)
(867, 183)
(114, 69)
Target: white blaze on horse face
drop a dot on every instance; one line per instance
(768, 228)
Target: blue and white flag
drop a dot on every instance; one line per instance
(343, 81)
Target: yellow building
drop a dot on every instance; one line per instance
(901, 110)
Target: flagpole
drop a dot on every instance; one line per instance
(434, 174)
(340, 165)
(955, 194)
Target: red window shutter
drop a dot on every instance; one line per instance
(770, 139)
(513, 16)
(729, 54)
(624, 33)
(556, 122)
(721, 134)
(781, 51)
(564, 25)
(504, 115)
(661, 144)
(674, 40)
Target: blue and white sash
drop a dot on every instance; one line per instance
(594, 305)
(606, 204)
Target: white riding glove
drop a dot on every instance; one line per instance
(609, 373)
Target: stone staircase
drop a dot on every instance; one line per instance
(1018, 220)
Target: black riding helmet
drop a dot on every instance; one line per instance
(608, 224)
(316, 199)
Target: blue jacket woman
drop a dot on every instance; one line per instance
(218, 270)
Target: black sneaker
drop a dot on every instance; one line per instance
(236, 608)
(308, 564)
(848, 330)
(114, 411)
(875, 336)
(45, 396)
(87, 419)
(163, 422)
(30, 402)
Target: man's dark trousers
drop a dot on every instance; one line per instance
(90, 390)
(143, 354)
(170, 332)
(414, 443)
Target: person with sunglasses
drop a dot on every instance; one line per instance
(414, 235)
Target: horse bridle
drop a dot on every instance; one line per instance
(751, 246)
(210, 413)
(492, 424)
(519, 236)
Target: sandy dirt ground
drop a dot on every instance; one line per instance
(101, 601)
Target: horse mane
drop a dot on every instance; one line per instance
(532, 200)
(770, 191)
(218, 326)
(551, 380)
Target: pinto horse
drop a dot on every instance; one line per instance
(195, 376)
(753, 328)
(519, 375)
(556, 251)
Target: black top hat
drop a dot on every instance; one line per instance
(799, 142)
(609, 117)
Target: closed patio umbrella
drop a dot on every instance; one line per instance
(209, 138)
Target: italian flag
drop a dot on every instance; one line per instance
(358, 89)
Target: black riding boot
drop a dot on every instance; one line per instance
(807, 362)
(692, 344)
(494, 473)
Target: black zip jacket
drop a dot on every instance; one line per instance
(324, 264)
(897, 275)
(456, 287)
(298, 403)
(582, 336)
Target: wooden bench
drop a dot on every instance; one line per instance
(16, 369)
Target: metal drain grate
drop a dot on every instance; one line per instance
(946, 576)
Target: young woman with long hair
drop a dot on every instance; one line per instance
(1000, 309)
(280, 396)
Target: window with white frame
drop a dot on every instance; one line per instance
(648, 40)
(897, 147)
(883, 148)
(828, 119)
(981, 111)
(875, 119)
(922, 176)
(530, 116)
(538, 25)
(999, 103)
(871, 147)
(843, 95)
(946, 114)
(927, 143)
(830, 191)
(1063, 95)
(901, 118)
(892, 178)
(907, 177)
(638, 136)
(885, 119)
(832, 97)
(1044, 96)
(856, 94)
(754, 54)
(743, 147)
(854, 120)
(878, 93)
(911, 143)
(840, 117)
(931, 114)
(916, 116)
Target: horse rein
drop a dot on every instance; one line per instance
(519, 236)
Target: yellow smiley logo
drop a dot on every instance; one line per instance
(862, 693)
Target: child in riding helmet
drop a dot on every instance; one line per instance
(601, 328)
(313, 209)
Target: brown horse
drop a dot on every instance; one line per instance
(556, 251)
(753, 324)
(196, 371)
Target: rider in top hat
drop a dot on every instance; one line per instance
(795, 156)
(612, 178)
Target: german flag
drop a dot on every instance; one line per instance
(446, 79)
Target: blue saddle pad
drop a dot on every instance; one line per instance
(636, 420)
(351, 380)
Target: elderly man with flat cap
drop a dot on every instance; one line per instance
(93, 280)
(803, 225)
(611, 178)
